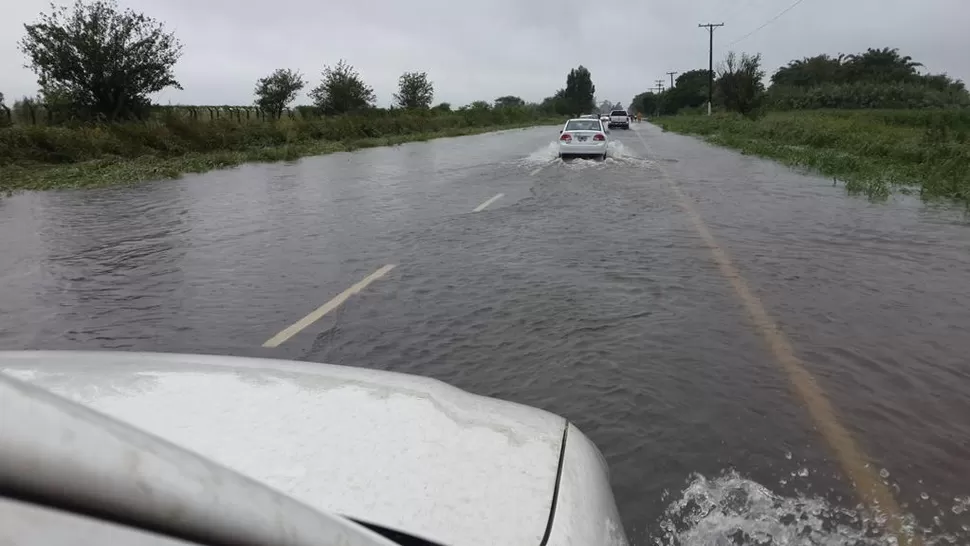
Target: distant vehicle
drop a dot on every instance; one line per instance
(195, 450)
(589, 116)
(605, 118)
(583, 138)
(619, 118)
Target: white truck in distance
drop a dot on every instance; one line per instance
(619, 118)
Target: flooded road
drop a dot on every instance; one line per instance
(584, 288)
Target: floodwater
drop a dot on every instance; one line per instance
(585, 289)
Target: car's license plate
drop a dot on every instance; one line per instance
(583, 139)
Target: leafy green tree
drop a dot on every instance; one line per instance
(480, 105)
(5, 116)
(811, 71)
(342, 90)
(874, 65)
(579, 92)
(690, 91)
(443, 107)
(881, 65)
(647, 103)
(508, 101)
(277, 90)
(876, 78)
(103, 61)
(942, 82)
(414, 91)
(738, 87)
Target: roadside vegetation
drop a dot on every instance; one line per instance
(93, 122)
(872, 120)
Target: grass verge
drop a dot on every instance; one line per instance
(113, 169)
(873, 151)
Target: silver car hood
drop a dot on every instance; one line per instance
(404, 452)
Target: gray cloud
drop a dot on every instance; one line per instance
(484, 50)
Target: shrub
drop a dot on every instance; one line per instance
(173, 135)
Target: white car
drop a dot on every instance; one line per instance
(619, 118)
(583, 138)
(605, 118)
(153, 449)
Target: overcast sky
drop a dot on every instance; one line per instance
(485, 49)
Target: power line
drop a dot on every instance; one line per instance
(768, 22)
(672, 74)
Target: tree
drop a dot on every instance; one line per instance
(881, 65)
(874, 66)
(5, 116)
(689, 92)
(103, 61)
(443, 107)
(342, 91)
(508, 101)
(738, 87)
(877, 78)
(414, 91)
(647, 103)
(811, 71)
(579, 91)
(277, 90)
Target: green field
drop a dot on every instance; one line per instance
(873, 151)
(41, 157)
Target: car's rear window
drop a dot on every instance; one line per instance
(584, 125)
(618, 113)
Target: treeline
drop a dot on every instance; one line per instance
(98, 63)
(877, 78)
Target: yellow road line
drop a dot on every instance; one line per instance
(869, 486)
(316, 315)
(495, 198)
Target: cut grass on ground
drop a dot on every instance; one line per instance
(872, 151)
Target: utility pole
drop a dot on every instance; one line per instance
(710, 80)
(659, 88)
(672, 74)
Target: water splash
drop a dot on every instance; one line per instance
(733, 511)
(544, 155)
(617, 150)
(616, 153)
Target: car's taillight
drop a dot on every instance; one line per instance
(566, 137)
(599, 136)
